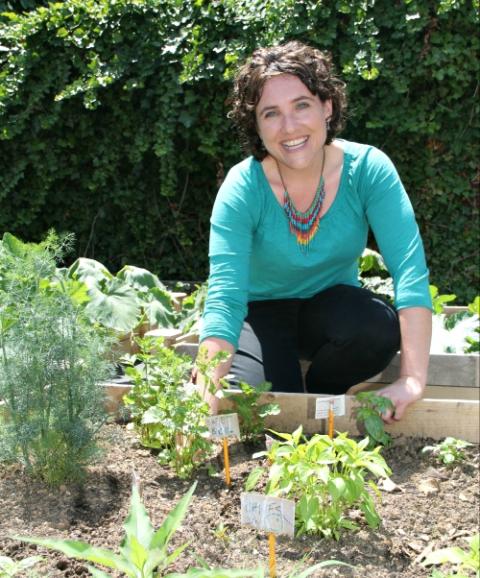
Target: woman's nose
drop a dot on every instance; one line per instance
(289, 123)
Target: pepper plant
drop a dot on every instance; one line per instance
(327, 477)
(369, 413)
(168, 414)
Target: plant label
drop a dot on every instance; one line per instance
(273, 515)
(269, 441)
(223, 426)
(323, 404)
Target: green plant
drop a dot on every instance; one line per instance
(449, 451)
(326, 476)
(467, 562)
(251, 414)
(10, 568)
(144, 552)
(167, 414)
(474, 343)
(373, 274)
(369, 413)
(123, 301)
(438, 300)
(192, 308)
(52, 363)
(259, 573)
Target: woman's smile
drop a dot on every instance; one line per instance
(291, 122)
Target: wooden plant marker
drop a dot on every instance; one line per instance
(273, 515)
(222, 427)
(328, 407)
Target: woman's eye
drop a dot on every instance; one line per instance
(303, 104)
(270, 114)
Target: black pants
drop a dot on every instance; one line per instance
(349, 334)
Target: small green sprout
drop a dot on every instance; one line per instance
(144, 552)
(450, 451)
(250, 412)
(465, 561)
(10, 568)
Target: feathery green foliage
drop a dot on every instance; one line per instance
(51, 364)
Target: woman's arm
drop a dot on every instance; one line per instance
(209, 347)
(416, 332)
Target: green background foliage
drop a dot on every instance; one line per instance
(113, 117)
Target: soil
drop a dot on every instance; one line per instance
(430, 507)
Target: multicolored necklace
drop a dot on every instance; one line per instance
(304, 224)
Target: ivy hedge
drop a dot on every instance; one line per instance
(113, 117)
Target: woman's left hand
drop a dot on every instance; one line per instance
(402, 392)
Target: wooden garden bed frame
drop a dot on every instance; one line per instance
(451, 406)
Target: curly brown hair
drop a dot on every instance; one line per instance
(310, 65)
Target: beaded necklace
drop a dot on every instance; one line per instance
(304, 224)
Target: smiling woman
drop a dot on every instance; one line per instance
(287, 229)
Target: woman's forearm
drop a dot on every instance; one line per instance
(416, 331)
(416, 334)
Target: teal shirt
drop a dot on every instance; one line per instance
(254, 256)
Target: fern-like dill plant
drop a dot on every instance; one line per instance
(52, 361)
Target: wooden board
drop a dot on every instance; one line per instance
(434, 418)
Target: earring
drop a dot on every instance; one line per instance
(327, 124)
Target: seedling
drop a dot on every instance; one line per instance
(465, 561)
(251, 413)
(369, 412)
(10, 568)
(448, 452)
(327, 476)
(143, 552)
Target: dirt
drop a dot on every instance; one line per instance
(430, 507)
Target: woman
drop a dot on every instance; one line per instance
(287, 229)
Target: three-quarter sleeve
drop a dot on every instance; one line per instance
(390, 215)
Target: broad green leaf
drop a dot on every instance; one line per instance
(276, 473)
(284, 436)
(134, 552)
(158, 307)
(474, 307)
(153, 415)
(337, 487)
(137, 524)
(324, 564)
(139, 278)
(253, 478)
(163, 535)
(83, 551)
(268, 409)
(218, 573)
(89, 271)
(97, 573)
(374, 426)
(453, 555)
(115, 306)
(14, 245)
(297, 435)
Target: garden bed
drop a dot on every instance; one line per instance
(430, 507)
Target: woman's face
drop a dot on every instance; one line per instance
(291, 122)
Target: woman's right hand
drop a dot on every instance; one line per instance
(209, 348)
